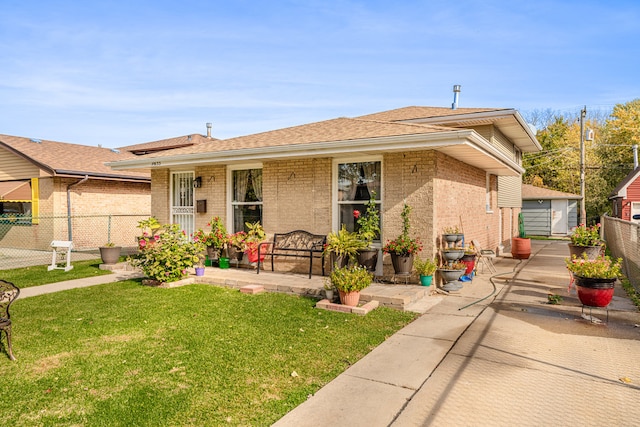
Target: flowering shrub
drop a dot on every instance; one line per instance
(586, 236)
(167, 256)
(602, 267)
(403, 244)
(369, 223)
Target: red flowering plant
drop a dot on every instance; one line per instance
(215, 238)
(404, 244)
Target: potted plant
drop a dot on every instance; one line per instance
(237, 245)
(255, 235)
(586, 240)
(329, 289)
(166, 257)
(215, 239)
(521, 245)
(452, 235)
(368, 230)
(450, 274)
(403, 248)
(110, 253)
(343, 247)
(199, 265)
(469, 258)
(349, 281)
(594, 278)
(425, 269)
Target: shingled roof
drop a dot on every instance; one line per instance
(416, 112)
(167, 144)
(64, 159)
(531, 192)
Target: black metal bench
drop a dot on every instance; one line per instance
(8, 293)
(298, 243)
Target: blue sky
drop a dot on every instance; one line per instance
(124, 72)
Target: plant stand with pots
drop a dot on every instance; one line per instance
(451, 279)
(595, 292)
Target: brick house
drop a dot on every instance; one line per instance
(43, 184)
(625, 198)
(452, 166)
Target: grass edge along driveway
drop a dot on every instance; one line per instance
(126, 354)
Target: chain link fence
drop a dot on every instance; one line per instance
(623, 238)
(26, 240)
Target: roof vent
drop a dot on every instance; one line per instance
(115, 150)
(456, 94)
(37, 141)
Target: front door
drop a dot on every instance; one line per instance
(182, 203)
(559, 221)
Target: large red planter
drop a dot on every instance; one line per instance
(520, 247)
(595, 292)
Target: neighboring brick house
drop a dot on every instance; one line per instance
(548, 212)
(45, 186)
(625, 198)
(453, 166)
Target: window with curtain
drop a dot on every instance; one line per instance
(246, 197)
(357, 182)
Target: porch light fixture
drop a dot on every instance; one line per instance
(197, 183)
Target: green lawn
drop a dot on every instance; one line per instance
(123, 354)
(25, 277)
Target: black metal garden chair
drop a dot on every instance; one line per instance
(8, 294)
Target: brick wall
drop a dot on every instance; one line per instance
(160, 195)
(297, 195)
(214, 191)
(460, 199)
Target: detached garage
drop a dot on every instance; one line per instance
(548, 212)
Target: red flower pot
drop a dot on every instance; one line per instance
(595, 292)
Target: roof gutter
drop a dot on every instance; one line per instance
(70, 233)
(332, 148)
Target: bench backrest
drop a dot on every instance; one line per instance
(299, 239)
(8, 293)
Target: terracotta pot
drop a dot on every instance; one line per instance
(592, 252)
(520, 247)
(402, 264)
(595, 292)
(350, 299)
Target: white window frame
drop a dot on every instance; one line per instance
(230, 202)
(488, 207)
(334, 184)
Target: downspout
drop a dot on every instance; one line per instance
(69, 232)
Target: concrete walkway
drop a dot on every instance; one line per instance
(510, 360)
(483, 357)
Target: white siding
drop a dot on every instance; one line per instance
(509, 192)
(15, 167)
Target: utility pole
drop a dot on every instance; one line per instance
(583, 209)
